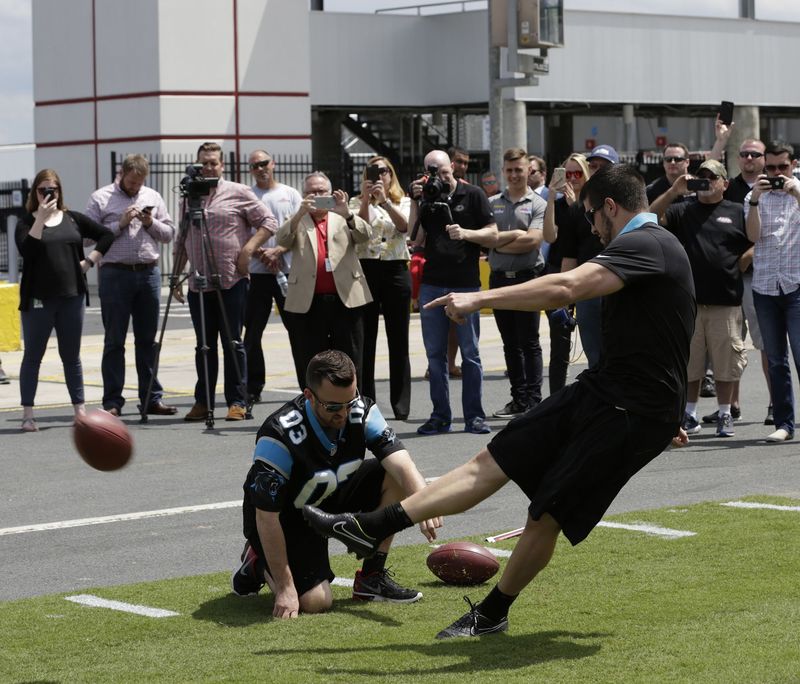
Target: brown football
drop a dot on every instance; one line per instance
(102, 440)
(462, 563)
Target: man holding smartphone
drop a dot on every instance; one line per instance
(711, 230)
(130, 280)
(773, 224)
(327, 289)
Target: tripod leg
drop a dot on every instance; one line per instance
(204, 349)
(143, 408)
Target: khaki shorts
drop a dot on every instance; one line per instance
(717, 334)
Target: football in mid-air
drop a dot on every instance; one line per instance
(102, 440)
(462, 563)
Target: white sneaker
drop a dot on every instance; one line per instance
(780, 435)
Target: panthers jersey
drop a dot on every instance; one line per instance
(295, 463)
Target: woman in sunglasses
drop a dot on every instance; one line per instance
(563, 210)
(53, 291)
(384, 259)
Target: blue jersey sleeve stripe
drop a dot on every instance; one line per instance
(271, 451)
(375, 424)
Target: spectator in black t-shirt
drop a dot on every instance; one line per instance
(676, 164)
(454, 225)
(53, 291)
(572, 453)
(712, 231)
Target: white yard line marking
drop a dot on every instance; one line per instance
(648, 529)
(752, 504)
(122, 517)
(97, 602)
(342, 582)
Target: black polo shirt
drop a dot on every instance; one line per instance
(737, 190)
(658, 187)
(454, 263)
(714, 238)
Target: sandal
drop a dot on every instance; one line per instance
(29, 425)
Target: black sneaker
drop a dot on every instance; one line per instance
(511, 410)
(691, 426)
(713, 418)
(379, 586)
(434, 426)
(473, 624)
(248, 579)
(477, 426)
(345, 528)
(770, 419)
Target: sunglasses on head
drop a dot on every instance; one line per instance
(333, 407)
(577, 175)
(778, 167)
(674, 160)
(260, 165)
(752, 155)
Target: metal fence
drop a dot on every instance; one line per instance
(13, 195)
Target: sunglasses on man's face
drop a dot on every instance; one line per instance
(708, 176)
(674, 160)
(752, 155)
(589, 216)
(774, 168)
(334, 407)
(260, 165)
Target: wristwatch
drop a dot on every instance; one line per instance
(753, 203)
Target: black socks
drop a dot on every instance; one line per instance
(385, 521)
(375, 563)
(495, 606)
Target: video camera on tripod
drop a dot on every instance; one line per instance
(194, 184)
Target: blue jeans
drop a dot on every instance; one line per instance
(65, 314)
(589, 315)
(234, 301)
(126, 295)
(779, 316)
(435, 328)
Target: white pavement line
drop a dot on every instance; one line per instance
(649, 529)
(752, 504)
(122, 517)
(342, 582)
(97, 602)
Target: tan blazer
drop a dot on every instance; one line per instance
(347, 273)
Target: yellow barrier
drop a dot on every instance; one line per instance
(485, 270)
(10, 329)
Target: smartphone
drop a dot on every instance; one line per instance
(147, 210)
(373, 173)
(726, 112)
(776, 182)
(49, 194)
(559, 177)
(324, 202)
(696, 184)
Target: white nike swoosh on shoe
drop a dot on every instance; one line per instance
(338, 527)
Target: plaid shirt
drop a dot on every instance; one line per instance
(134, 244)
(776, 260)
(231, 210)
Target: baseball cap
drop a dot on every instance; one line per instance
(605, 152)
(717, 168)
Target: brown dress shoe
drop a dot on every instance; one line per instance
(196, 414)
(235, 412)
(161, 409)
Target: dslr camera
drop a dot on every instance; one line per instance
(434, 189)
(194, 184)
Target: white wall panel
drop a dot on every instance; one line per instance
(61, 123)
(129, 117)
(62, 49)
(274, 116)
(197, 115)
(75, 166)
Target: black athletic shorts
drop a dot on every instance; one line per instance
(306, 550)
(573, 453)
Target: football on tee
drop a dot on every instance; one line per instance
(102, 440)
(462, 563)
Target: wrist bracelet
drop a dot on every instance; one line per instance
(752, 203)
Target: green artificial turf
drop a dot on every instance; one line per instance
(721, 606)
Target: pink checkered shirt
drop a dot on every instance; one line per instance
(134, 244)
(776, 259)
(231, 210)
